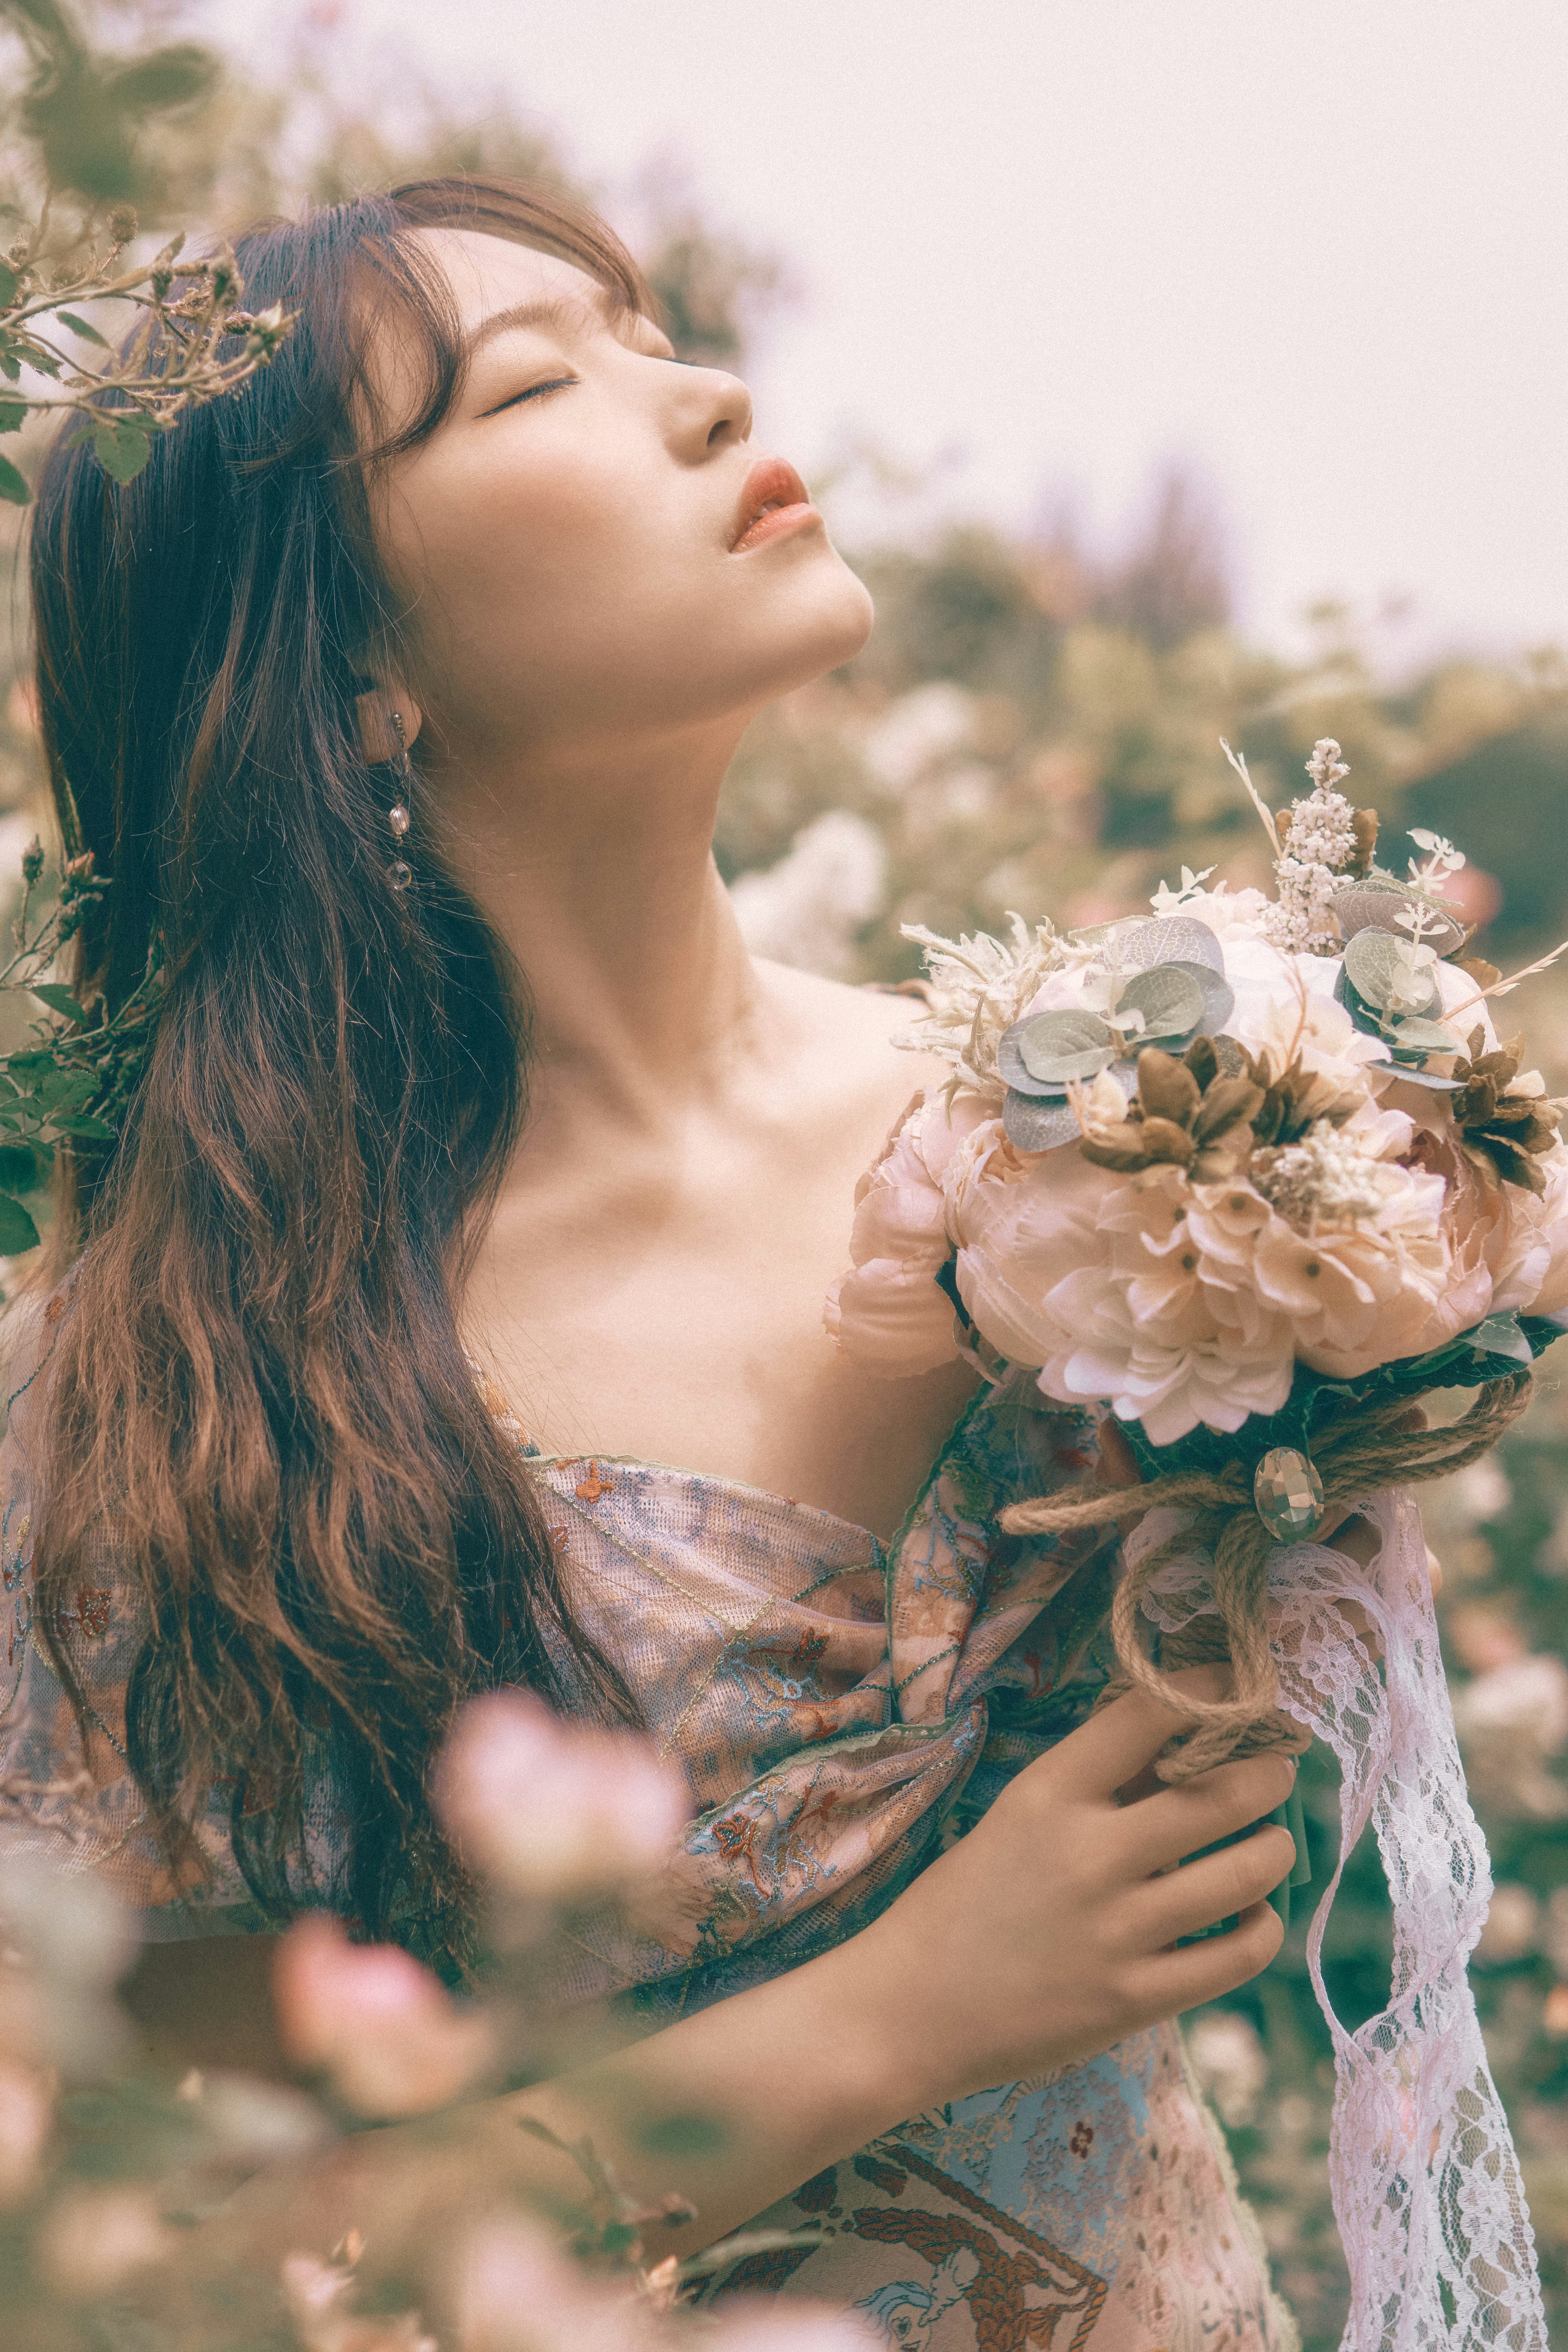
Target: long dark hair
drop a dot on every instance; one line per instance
(260, 1390)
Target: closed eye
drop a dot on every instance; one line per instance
(555, 383)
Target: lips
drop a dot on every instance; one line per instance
(774, 497)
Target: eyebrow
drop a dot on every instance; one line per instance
(552, 310)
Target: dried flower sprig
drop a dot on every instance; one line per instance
(193, 343)
(72, 1084)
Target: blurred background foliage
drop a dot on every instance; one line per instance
(1034, 726)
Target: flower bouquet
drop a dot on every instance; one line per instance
(1253, 1174)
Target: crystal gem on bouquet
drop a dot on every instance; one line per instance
(1288, 1494)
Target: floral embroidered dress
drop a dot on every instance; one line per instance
(842, 1708)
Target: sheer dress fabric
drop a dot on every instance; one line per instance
(842, 1709)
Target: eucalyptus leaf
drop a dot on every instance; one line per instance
(1363, 907)
(1219, 1000)
(1031, 1124)
(1423, 1037)
(1168, 939)
(1410, 1076)
(1170, 1000)
(1372, 962)
(1055, 1046)
(1010, 1067)
(17, 1230)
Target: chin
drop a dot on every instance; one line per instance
(828, 623)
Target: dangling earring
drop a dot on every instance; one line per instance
(400, 874)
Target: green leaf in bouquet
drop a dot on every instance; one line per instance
(1167, 939)
(58, 999)
(13, 415)
(17, 1230)
(1380, 977)
(8, 283)
(1219, 1000)
(13, 487)
(1369, 905)
(18, 1167)
(1056, 1046)
(1500, 1335)
(1170, 1000)
(1423, 1037)
(1036, 1120)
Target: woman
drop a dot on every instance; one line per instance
(273, 1513)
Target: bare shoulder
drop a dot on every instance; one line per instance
(850, 1040)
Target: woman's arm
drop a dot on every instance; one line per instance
(1041, 1938)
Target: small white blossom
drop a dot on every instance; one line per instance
(979, 987)
(1324, 1176)
(1319, 845)
(1165, 900)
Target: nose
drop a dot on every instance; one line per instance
(713, 411)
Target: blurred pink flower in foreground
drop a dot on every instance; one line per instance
(91, 2240)
(318, 2293)
(26, 2114)
(520, 2294)
(384, 2029)
(553, 1810)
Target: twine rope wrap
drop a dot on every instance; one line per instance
(1355, 1458)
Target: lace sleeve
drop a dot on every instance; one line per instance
(72, 1800)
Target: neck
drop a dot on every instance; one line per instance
(598, 871)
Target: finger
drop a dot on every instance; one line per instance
(1161, 1830)
(1118, 1464)
(1202, 1892)
(1118, 1741)
(1356, 1537)
(1434, 1571)
(1169, 1982)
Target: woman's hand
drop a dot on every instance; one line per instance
(1050, 1932)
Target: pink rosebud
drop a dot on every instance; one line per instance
(553, 1810)
(318, 2294)
(384, 2029)
(26, 2112)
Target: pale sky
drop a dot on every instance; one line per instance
(1317, 248)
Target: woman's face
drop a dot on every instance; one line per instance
(572, 540)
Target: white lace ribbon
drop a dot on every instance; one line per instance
(1425, 2179)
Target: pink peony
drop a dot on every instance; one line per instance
(1022, 1224)
(384, 2029)
(555, 1811)
(887, 1312)
(1196, 1369)
(1359, 1292)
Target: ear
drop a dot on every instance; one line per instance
(377, 735)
